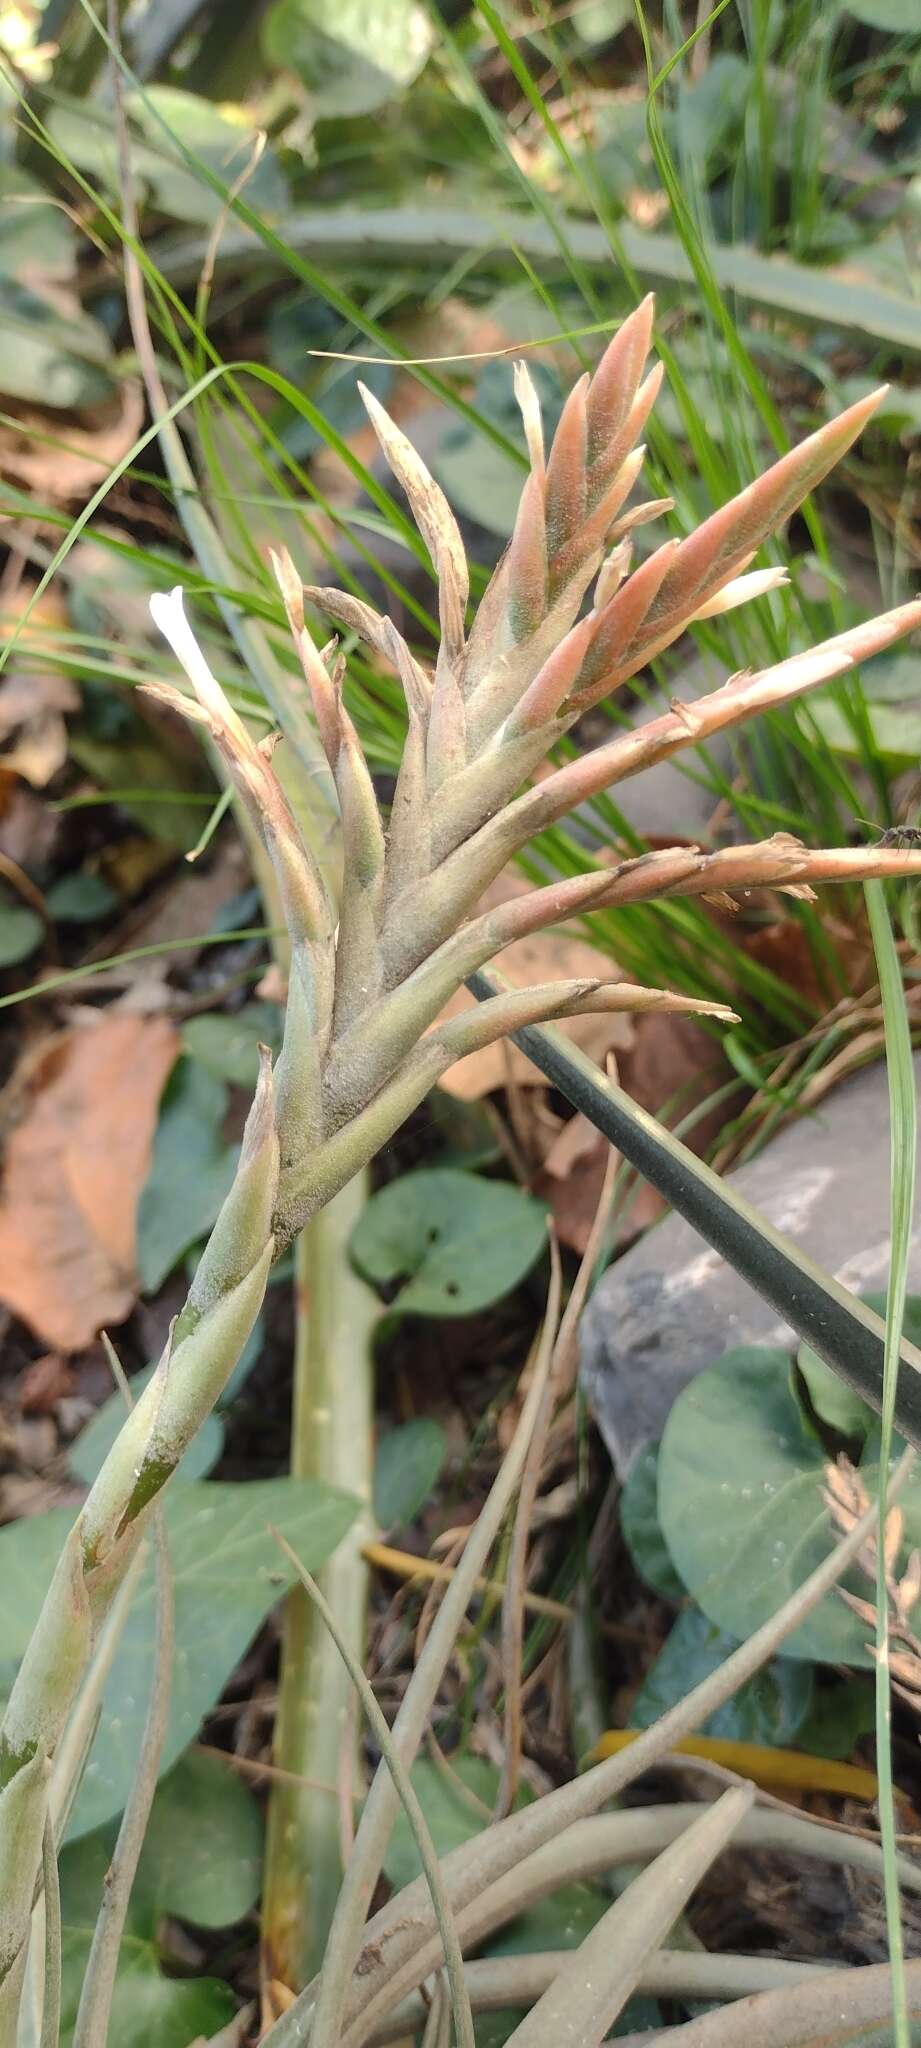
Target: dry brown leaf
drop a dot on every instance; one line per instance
(44, 1383)
(94, 445)
(75, 1167)
(571, 1179)
(558, 955)
(784, 948)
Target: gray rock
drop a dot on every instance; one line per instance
(671, 1306)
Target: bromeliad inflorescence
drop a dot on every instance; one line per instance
(372, 971)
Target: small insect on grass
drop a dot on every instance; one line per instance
(898, 836)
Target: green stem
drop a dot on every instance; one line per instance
(331, 1429)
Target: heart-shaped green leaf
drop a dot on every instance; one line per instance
(642, 1530)
(227, 1571)
(229, 1046)
(741, 1505)
(456, 1242)
(771, 1708)
(406, 1468)
(353, 57)
(201, 1861)
(190, 1172)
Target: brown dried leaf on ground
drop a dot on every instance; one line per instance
(75, 1167)
(33, 701)
(548, 956)
(92, 446)
(784, 948)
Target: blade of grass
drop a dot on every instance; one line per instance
(903, 1119)
(68, 975)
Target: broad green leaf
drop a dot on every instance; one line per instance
(842, 1711)
(229, 1046)
(896, 730)
(709, 113)
(36, 236)
(228, 1572)
(190, 1172)
(835, 1403)
(87, 1454)
(352, 57)
(449, 1800)
(741, 1505)
(478, 477)
(21, 930)
(120, 751)
(455, 1242)
(222, 136)
(149, 2010)
(202, 1854)
(463, 1133)
(79, 898)
(406, 1468)
(561, 1921)
(599, 21)
(642, 1532)
(770, 1709)
(901, 405)
(201, 1862)
(911, 1321)
(48, 357)
(898, 17)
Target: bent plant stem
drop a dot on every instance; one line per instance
(331, 1433)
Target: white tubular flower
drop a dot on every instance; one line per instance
(168, 614)
(739, 590)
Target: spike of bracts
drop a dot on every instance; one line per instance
(370, 976)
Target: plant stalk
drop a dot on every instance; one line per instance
(331, 1437)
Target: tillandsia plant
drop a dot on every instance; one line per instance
(371, 973)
